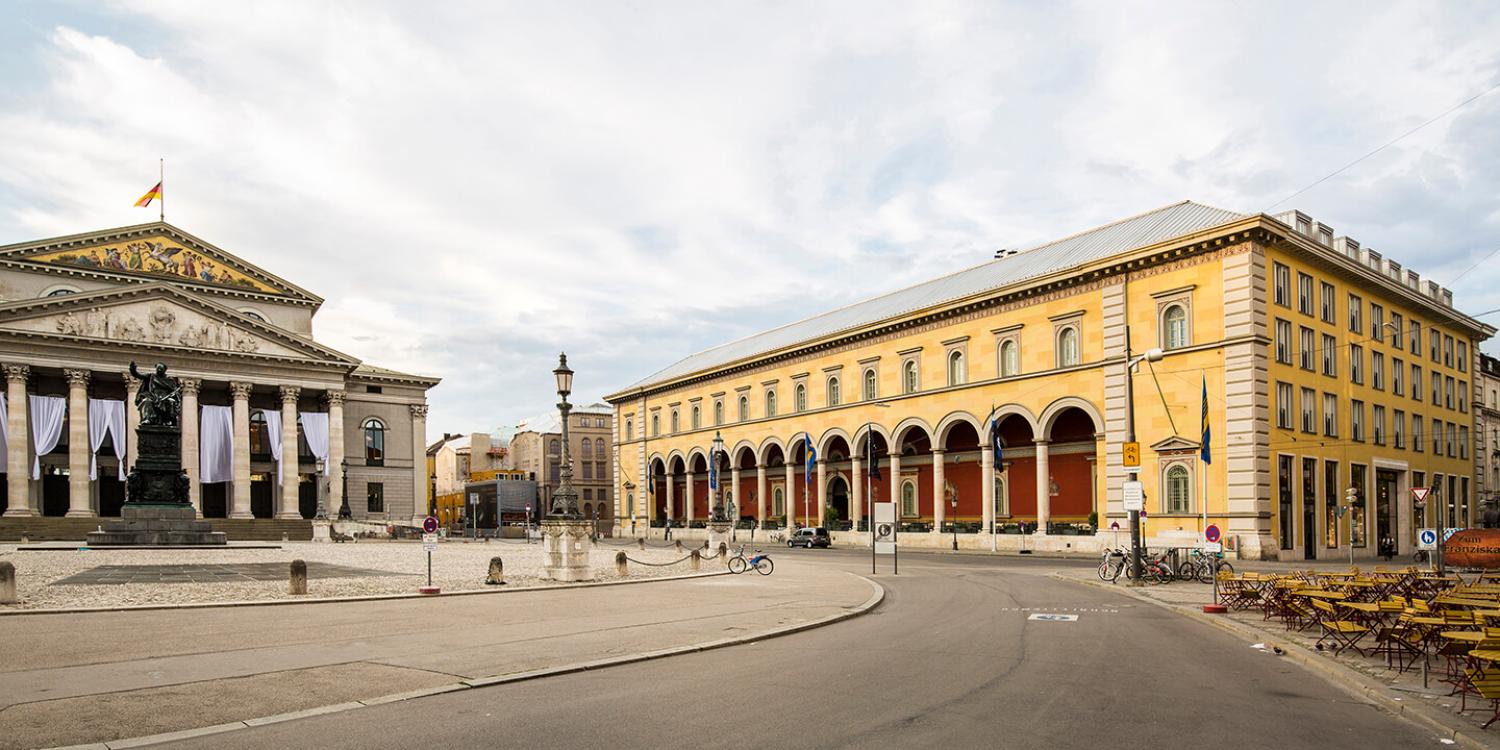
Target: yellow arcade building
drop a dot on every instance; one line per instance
(1328, 366)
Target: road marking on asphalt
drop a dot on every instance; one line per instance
(1046, 617)
(1098, 610)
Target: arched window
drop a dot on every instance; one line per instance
(553, 447)
(1010, 358)
(770, 403)
(61, 291)
(586, 449)
(253, 315)
(599, 447)
(908, 498)
(697, 418)
(744, 408)
(374, 442)
(955, 368)
(871, 392)
(655, 425)
(1178, 489)
(1002, 503)
(801, 397)
(676, 422)
(1067, 347)
(630, 504)
(718, 413)
(778, 503)
(833, 392)
(1174, 327)
(629, 429)
(909, 376)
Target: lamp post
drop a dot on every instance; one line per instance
(322, 513)
(1133, 473)
(715, 451)
(869, 482)
(952, 516)
(344, 484)
(564, 498)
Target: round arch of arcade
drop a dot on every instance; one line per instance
(942, 476)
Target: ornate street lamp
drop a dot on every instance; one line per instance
(344, 485)
(564, 499)
(713, 456)
(322, 512)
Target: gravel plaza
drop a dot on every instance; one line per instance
(82, 577)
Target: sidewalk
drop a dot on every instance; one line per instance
(72, 679)
(1429, 705)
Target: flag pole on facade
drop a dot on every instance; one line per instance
(161, 195)
(1204, 455)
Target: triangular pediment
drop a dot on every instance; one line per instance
(162, 316)
(1174, 444)
(157, 252)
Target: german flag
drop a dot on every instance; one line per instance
(153, 193)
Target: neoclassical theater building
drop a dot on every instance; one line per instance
(1328, 366)
(256, 386)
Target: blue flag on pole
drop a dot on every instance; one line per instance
(812, 457)
(713, 470)
(1207, 433)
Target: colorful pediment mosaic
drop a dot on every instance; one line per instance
(158, 257)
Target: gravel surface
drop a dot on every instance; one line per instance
(456, 566)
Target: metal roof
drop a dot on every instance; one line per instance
(1111, 239)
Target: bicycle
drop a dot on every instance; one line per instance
(761, 562)
(777, 537)
(1112, 565)
(1198, 567)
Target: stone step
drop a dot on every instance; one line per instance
(77, 529)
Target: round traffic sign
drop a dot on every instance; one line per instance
(1428, 536)
(430, 524)
(1115, 525)
(1211, 533)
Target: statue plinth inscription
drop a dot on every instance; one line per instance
(156, 509)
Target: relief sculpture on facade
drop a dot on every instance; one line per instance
(161, 326)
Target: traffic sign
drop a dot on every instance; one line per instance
(1211, 533)
(1134, 495)
(885, 528)
(1420, 493)
(430, 525)
(1427, 539)
(1115, 525)
(1213, 547)
(429, 542)
(1132, 454)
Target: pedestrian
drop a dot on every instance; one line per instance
(669, 530)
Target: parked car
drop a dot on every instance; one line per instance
(815, 536)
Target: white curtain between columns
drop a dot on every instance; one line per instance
(315, 429)
(46, 427)
(273, 436)
(106, 417)
(216, 444)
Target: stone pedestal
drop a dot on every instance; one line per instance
(567, 544)
(151, 524)
(718, 533)
(322, 531)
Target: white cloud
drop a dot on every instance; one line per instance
(474, 187)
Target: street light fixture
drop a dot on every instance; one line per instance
(953, 519)
(1153, 354)
(714, 453)
(564, 500)
(322, 512)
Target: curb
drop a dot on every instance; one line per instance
(343, 599)
(1350, 681)
(877, 595)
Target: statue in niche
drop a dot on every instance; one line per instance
(159, 398)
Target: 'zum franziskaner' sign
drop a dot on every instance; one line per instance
(1473, 548)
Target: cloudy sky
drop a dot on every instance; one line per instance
(476, 186)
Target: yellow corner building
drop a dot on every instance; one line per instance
(1328, 368)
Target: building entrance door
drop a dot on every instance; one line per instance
(1385, 507)
(261, 496)
(838, 498)
(1310, 508)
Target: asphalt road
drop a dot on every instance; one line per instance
(949, 660)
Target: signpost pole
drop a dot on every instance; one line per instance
(429, 568)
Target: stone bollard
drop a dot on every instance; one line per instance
(7, 582)
(723, 551)
(497, 572)
(622, 565)
(26, 539)
(697, 560)
(283, 534)
(679, 545)
(298, 583)
(640, 543)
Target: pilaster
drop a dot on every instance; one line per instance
(939, 502)
(336, 454)
(18, 450)
(240, 500)
(287, 468)
(78, 444)
(1043, 488)
(190, 438)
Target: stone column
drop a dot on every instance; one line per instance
(789, 495)
(18, 447)
(240, 491)
(419, 479)
(289, 484)
(939, 501)
(78, 444)
(671, 493)
(689, 501)
(1043, 488)
(336, 452)
(856, 492)
(822, 492)
(190, 463)
(987, 487)
(896, 483)
(132, 418)
(760, 495)
(739, 502)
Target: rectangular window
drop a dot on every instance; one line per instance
(1357, 513)
(1417, 442)
(1284, 486)
(375, 497)
(1304, 294)
(599, 470)
(1437, 437)
(1448, 392)
(1437, 389)
(1356, 314)
(1357, 419)
(1463, 397)
(1398, 427)
(1452, 435)
(588, 469)
(1330, 415)
(1309, 411)
(1377, 370)
(1330, 313)
(1448, 351)
(1377, 322)
(1396, 330)
(1308, 349)
(1283, 341)
(1357, 364)
(1463, 357)
(1398, 376)
(1284, 405)
(1283, 277)
(1463, 442)
(1331, 493)
(1435, 343)
(1377, 424)
(1416, 383)
(1330, 356)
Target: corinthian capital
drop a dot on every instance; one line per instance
(418, 411)
(190, 386)
(240, 391)
(290, 394)
(335, 398)
(77, 377)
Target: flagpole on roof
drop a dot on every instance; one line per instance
(161, 197)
